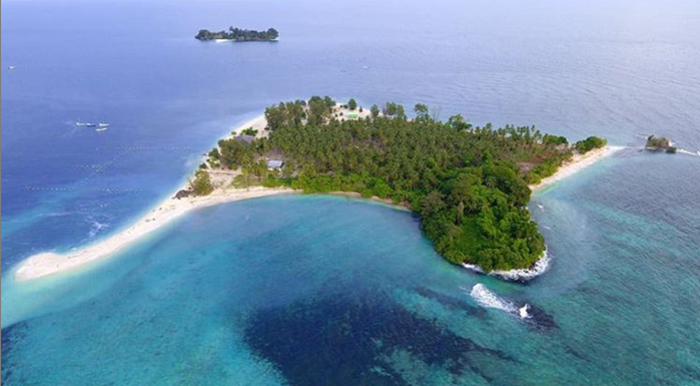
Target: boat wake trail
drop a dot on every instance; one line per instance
(531, 316)
(486, 298)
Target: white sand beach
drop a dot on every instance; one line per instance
(575, 165)
(48, 263)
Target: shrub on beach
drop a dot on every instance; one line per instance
(201, 185)
(590, 143)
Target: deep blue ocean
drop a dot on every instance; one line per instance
(321, 290)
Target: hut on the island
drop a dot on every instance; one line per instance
(245, 139)
(274, 164)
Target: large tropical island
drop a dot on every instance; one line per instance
(239, 35)
(470, 185)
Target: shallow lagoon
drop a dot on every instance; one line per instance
(319, 290)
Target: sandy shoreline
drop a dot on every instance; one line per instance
(48, 263)
(575, 165)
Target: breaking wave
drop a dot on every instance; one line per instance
(688, 152)
(526, 274)
(521, 275)
(96, 227)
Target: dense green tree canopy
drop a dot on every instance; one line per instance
(201, 184)
(468, 184)
(590, 143)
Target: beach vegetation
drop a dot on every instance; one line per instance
(250, 131)
(555, 140)
(352, 104)
(458, 123)
(590, 143)
(655, 143)
(201, 184)
(421, 111)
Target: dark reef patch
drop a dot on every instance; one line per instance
(341, 341)
(451, 302)
(11, 336)
(540, 320)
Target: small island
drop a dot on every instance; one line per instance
(657, 144)
(239, 35)
(469, 185)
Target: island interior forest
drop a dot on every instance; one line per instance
(468, 184)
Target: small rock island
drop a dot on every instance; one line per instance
(239, 35)
(660, 144)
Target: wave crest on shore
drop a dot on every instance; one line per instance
(522, 275)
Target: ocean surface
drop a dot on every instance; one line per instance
(316, 290)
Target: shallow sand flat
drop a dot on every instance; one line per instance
(48, 263)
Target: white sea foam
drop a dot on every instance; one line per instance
(540, 267)
(473, 267)
(523, 311)
(486, 298)
(687, 152)
(96, 228)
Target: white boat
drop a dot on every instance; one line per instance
(81, 124)
(11, 68)
(103, 124)
(99, 129)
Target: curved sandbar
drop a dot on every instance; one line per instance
(48, 263)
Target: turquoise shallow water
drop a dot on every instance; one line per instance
(327, 290)
(324, 290)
